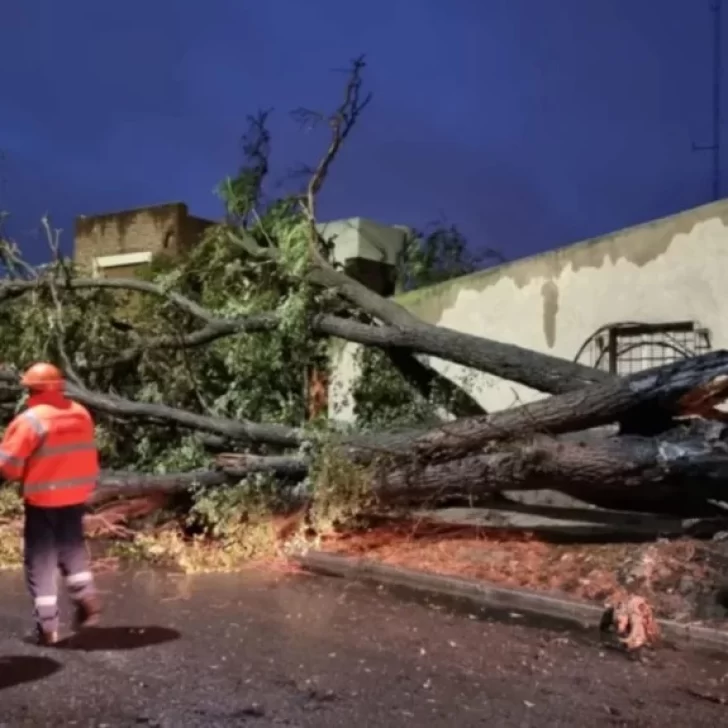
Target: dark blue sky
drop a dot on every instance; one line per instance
(529, 123)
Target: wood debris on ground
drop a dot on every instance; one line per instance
(633, 620)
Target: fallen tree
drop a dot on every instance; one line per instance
(681, 472)
(652, 396)
(216, 335)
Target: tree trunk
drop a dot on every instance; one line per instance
(677, 472)
(645, 403)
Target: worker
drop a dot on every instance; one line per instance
(50, 448)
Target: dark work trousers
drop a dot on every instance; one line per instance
(53, 539)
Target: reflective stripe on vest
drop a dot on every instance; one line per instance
(48, 485)
(38, 427)
(45, 451)
(11, 459)
(35, 422)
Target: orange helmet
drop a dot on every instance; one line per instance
(43, 377)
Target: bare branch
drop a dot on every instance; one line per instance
(13, 288)
(11, 257)
(57, 324)
(341, 123)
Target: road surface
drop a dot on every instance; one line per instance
(281, 650)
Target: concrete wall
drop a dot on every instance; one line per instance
(367, 250)
(669, 270)
(358, 237)
(168, 229)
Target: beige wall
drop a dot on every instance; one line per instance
(168, 229)
(673, 269)
(357, 237)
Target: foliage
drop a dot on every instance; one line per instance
(384, 399)
(342, 488)
(11, 508)
(439, 253)
(170, 548)
(219, 512)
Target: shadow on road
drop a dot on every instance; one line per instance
(19, 669)
(98, 639)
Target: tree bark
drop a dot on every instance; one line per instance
(678, 472)
(539, 371)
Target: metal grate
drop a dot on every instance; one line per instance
(627, 348)
(595, 351)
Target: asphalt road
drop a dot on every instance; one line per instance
(257, 650)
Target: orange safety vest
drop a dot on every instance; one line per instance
(51, 449)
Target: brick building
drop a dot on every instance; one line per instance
(118, 243)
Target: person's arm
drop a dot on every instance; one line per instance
(20, 441)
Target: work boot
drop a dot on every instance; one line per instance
(88, 612)
(45, 637)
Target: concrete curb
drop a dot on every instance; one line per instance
(485, 595)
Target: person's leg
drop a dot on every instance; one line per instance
(41, 562)
(75, 564)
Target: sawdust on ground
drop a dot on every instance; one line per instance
(683, 579)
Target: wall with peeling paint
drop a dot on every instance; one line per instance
(672, 269)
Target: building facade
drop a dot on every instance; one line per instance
(637, 298)
(117, 244)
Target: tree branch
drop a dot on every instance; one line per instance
(539, 371)
(241, 430)
(341, 123)
(10, 289)
(52, 237)
(131, 485)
